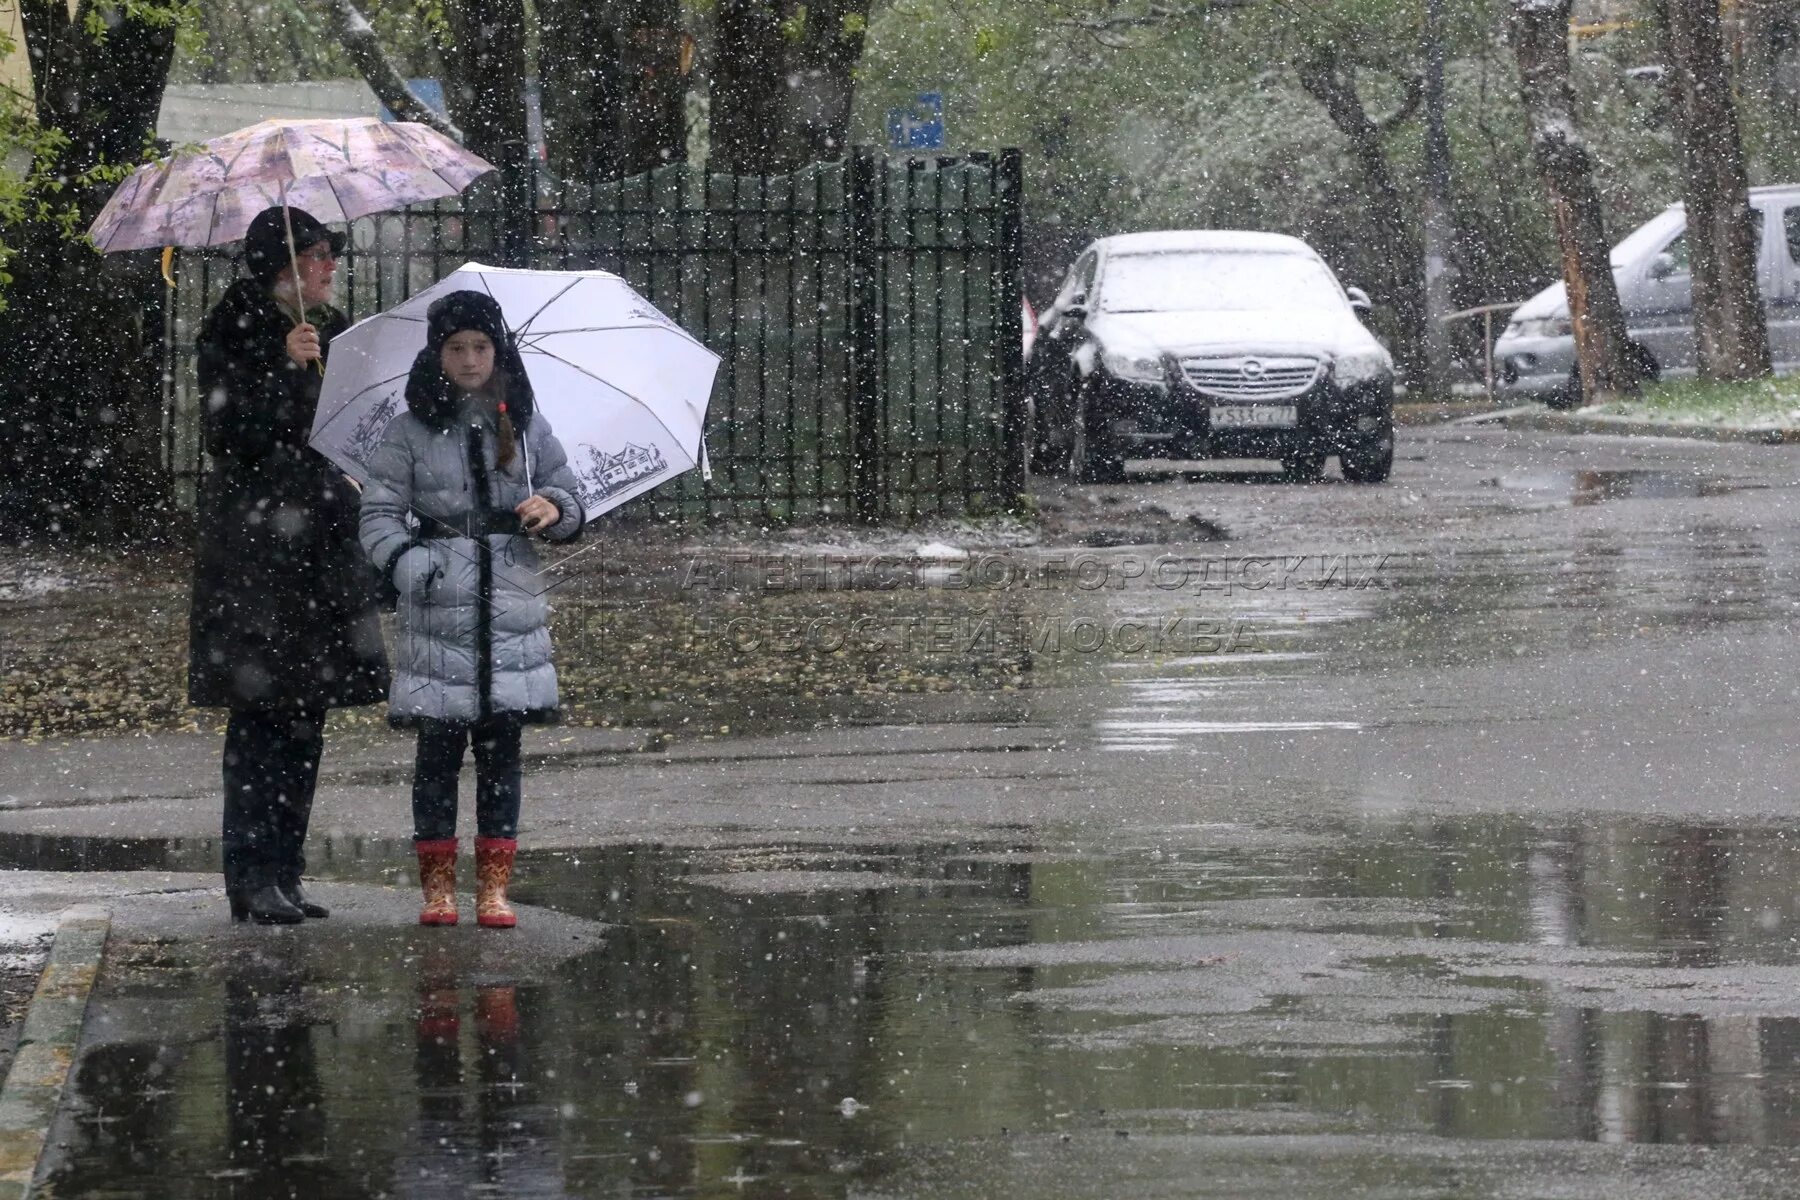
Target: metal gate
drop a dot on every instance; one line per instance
(867, 312)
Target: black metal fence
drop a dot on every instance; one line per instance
(867, 313)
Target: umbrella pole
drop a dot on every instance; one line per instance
(287, 225)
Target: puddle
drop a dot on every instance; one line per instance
(369, 860)
(862, 1021)
(1580, 488)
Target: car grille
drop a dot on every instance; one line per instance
(1250, 377)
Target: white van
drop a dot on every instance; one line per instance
(1536, 353)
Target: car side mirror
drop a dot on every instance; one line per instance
(1077, 306)
(1662, 266)
(1359, 299)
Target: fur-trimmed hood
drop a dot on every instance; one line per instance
(430, 395)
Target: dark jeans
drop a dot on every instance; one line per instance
(497, 783)
(271, 768)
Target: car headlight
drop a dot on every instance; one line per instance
(1136, 367)
(1541, 327)
(1363, 366)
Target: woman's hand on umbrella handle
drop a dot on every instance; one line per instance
(303, 344)
(538, 514)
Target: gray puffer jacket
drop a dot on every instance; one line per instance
(472, 636)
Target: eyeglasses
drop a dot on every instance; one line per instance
(320, 253)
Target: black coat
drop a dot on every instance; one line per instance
(284, 612)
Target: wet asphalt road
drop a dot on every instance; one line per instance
(1433, 840)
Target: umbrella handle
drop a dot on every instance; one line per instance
(287, 224)
(168, 264)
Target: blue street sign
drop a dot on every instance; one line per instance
(919, 126)
(430, 92)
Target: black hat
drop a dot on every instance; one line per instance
(265, 242)
(428, 391)
(452, 314)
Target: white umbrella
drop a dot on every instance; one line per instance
(624, 387)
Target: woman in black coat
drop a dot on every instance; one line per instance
(284, 624)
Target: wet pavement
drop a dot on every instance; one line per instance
(1433, 840)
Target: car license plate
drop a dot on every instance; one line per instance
(1256, 416)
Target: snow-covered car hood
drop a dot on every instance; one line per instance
(1287, 331)
(1637, 246)
(1553, 301)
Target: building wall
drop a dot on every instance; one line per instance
(196, 112)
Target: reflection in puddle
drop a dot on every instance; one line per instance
(1492, 980)
(1594, 487)
(331, 856)
(1203, 727)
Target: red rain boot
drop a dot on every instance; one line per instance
(437, 878)
(493, 869)
(497, 1014)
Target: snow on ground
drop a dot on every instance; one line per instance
(34, 574)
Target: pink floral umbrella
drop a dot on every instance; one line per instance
(337, 170)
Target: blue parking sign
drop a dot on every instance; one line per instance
(919, 126)
(430, 93)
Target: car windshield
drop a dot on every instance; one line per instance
(1216, 281)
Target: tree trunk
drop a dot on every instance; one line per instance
(1541, 41)
(821, 83)
(746, 86)
(1440, 222)
(583, 87)
(1730, 328)
(483, 51)
(656, 53)
(615, 75)
(1328, 81)
(80, 413)
(783, 81)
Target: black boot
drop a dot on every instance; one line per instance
(264, 905)
(298, 899)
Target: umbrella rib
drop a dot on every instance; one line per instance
(414, 151)
(525, 325)
(654, 415)
(331, 183)
(670, 328)
(351, 402)
(658, 328)
(229, 166)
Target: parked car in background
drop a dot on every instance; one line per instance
(1536, 352)
(1210, 344)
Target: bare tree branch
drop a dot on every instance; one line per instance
(1409, 104)
(390, 87)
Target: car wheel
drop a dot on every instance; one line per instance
(1303, 465)
(1048, 457)
(1370, 463)
(1093, 456)
(1045, 455)
(1568, 396)
(1371, 460)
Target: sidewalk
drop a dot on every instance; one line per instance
(1536, 417)
(153, 799)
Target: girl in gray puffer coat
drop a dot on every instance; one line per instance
(480, 471)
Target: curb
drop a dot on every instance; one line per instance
(1444, 412)
(34, 1086)
(1633, 427)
